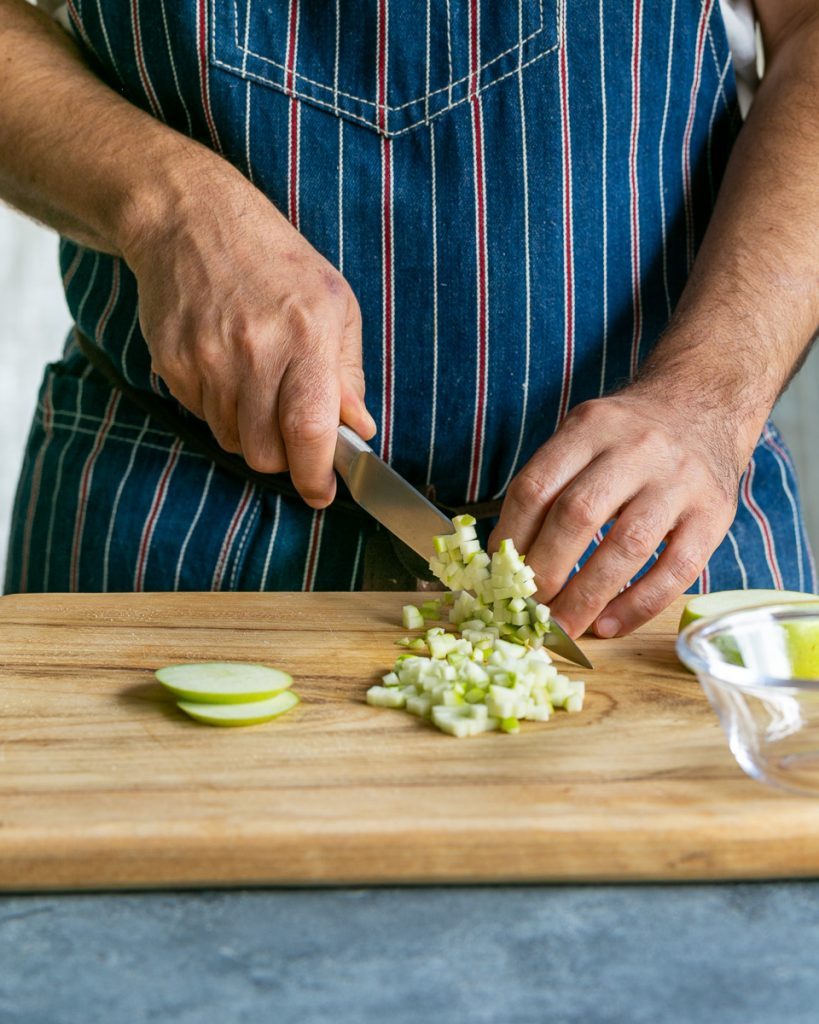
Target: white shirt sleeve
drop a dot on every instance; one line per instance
(740, 27)
(58, 10)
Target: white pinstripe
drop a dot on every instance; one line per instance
(154, 512)
(84, 489)
(359, 546)
(661, 172)
(194, 523)
(142, 64)
(127, 345)
(705, 14)
(743, 575)
(36, 478)
(231, 533)
(604, 163)
(78, 413)
(568, 229)
(247, 93)
(762, 522)
(91, 281)
(340, 143)
(527, 266)
(274, 530)
(59, 476)
(255, 509)
(634, 186)
(481, 257)
(107, 40)
(778, 454)
(73, 266)
(179, 92)
(449, 51)
(135, 447)
(434, 410)
(434, 202)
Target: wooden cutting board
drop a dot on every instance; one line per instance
(104, 783)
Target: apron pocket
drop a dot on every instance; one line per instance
(386, 66)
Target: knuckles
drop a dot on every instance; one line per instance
(637, 540)
(306, 429)
(528, 490)
(575, 512)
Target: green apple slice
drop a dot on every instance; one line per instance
(803, 648)
(223, 682)
(721, 602)
(249, 713)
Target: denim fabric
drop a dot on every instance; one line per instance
(516, 192)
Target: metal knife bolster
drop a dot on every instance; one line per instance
(405, 512)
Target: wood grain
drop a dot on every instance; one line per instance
(104, 783)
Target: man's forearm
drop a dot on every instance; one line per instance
(751, 306)
(73, 153)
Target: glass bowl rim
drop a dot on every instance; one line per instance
(690, 644)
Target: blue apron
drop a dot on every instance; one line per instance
(515, 192)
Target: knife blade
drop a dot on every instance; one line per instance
(411, 517)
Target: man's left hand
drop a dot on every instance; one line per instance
(660, 472)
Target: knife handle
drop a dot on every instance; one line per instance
(348, 447)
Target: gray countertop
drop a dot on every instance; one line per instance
(704, 954)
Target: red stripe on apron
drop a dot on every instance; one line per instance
(762, 523)
(156, 507)
(294, 115)
(313, 549)
(227, 544)
(689, 127)
(204, 85)
(85, 486)
(143, 71)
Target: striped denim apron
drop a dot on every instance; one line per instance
(515, 189)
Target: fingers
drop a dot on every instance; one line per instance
(679, 565)
(309, 400)
(575, 516)
(219, 410)
(538, 484)
(630, 543)
(261, 439)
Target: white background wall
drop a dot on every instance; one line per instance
(34, 321)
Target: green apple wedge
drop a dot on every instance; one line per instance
(249, 713)
(803, 648)
(223, 682)
(720, 602)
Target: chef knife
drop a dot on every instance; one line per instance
(405, 512)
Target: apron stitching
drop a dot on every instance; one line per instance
(370, 103)
(363, 120)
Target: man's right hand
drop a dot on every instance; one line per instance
(252, 330)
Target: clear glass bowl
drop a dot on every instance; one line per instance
(760, 670)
